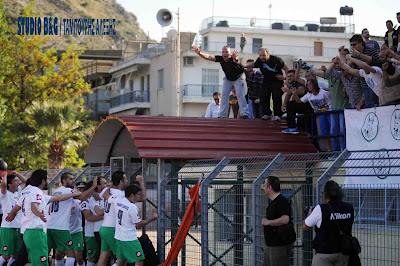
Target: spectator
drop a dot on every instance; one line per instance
(271, 68)
(390, 93)
(309, 75)
(339, 101)
(278, 219)
(320, 101)
(292, 107)
(234, 77)
(372, 74)
(243, 42)
(330, 218)
(81, 186)
(351, 83)
(254, 80)
(398, 31)
(213, 108)
(391, 36)
(233, 104)
(370, 44)
(371, 57)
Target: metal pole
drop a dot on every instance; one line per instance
(204, 209)
(238, 218)
(178, 71)
(145, 166)
(257, 232)
(161, 222)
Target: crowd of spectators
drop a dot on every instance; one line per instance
(364, 75)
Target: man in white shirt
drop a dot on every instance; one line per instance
(58, 221)
(11, 240)
(127, 220)
(33, 203)
(107, 230)
(76, 231)
(213, 107)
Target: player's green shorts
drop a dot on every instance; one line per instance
(92, 249)
(129, 250)
(77, 241)
(10, 241)
(36, 244)
(107, 239)
(60, 240)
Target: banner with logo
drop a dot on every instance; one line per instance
(376, 130)
(373, 128)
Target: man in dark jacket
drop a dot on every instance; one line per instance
(391, 36)
(329, 219)
(254, 80)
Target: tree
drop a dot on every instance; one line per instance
(55, 128)
(30, 74)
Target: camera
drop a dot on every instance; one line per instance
(307, 209)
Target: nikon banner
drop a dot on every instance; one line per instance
(376, 130)
(373, 128)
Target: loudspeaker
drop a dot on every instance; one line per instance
(164, 17)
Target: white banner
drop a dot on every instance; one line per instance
(376, 130)
(373, 128)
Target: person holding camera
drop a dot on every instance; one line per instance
(279, 232)
(333, 221)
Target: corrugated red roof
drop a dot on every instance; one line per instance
(201, 138)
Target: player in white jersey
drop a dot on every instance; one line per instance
(33, 203)
(76, 230)
(88, 210)
(107, 230)
(99, 208)
(127, 220)
(11, 240)
(58, 221)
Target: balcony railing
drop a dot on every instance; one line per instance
(199, 90)
(274, 49)
(275, 24)
(130, 97)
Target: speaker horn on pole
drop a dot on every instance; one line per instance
(164, 17)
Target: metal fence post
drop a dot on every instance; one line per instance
(257, 232)
(204, 209)
(329, 172)
(162, 182)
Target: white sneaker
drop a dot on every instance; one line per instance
(266, 117)
(276, 118)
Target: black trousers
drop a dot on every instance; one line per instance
(300, 108)
(257, 110)
(267, 90)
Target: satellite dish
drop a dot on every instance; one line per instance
(164, 17)
(171, 34)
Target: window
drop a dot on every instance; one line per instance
(257, 44)
(142, 83)
(131, 84)
(318, 48)
(205, 44)
(230, 42)
(188, 61)
(210, 82)
(148, 82)
(161, 79)
(122, 82)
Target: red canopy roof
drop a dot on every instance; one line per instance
(191, 138)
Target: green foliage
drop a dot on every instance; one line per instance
(36, 121)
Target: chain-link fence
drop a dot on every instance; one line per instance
(229, 230)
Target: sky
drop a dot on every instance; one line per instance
(367, 13)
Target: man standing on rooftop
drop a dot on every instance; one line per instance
(234, 77)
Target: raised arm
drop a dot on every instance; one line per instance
(86, 194)
(139, 178)
(347, 68)
(361, 64)
(392, 54)
(146, 222)
(297, 75)
(21, 177)
(63, 197)
(389, 82)
(203, 55)
(318, 73)
(4, 184)
(364, 57)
